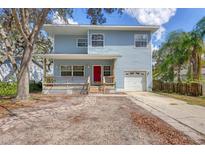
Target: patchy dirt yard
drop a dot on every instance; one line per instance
(85, 120)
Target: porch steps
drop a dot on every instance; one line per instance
(96, 89)
(102, 89)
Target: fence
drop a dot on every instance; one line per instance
(191, 89)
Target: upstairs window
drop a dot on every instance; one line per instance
(66, 70)
(82, 42)
(97, 40)
(107, 70)
(141, 40)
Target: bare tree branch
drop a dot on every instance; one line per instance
(19, 25)
(39, 23)
(37, 63)
(24, 22)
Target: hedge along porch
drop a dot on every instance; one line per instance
(79, 71)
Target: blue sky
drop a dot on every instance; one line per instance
(183, 19)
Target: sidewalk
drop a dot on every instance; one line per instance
(190, 119)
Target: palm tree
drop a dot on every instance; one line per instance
(196, 49)
(200, 28)
(172, 56)
(181, 49)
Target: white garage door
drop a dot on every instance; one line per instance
(134, 81)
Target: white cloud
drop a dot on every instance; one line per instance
(153, 17)
(155, 47)
(71, 21)
(59, 20)
(159, 33)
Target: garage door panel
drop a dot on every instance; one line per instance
(134, 81)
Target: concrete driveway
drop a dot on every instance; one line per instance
(87, 120)
(189, 119)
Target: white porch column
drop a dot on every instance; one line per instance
(44, 69)
(114, 71)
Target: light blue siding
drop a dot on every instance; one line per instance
(133, 59)
(88, 65)
(67, 44)
(116, 42)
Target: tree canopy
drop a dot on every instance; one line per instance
(181, 50)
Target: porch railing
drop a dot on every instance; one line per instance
(64, 80)
(108, 81)
(86, 87)
(85, 82)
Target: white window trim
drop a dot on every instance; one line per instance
(72, 70)
(147, 40)
(102, 40)
(77, 43)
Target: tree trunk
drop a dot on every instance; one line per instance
(194, 64)
(23, 76)
(23, 85)
(190, 71)
(199, 66)
(179, 74)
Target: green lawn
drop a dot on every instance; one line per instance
(189, 99)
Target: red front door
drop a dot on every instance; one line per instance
(97, 73)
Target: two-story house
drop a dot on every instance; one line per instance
(119, 57)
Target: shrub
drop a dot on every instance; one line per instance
(35, 86)
(8, 88)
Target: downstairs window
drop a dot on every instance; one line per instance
(107, 70)
(78, 70)
(66, 70)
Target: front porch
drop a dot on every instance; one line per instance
(81, 73)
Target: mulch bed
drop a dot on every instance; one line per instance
(167, 134)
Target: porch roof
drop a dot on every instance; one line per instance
(79, 56)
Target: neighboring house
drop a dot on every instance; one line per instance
(6, 72)
(118, 57)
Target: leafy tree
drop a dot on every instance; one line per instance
(181, 49)
(197, 42)
(200, 28)
(196, 48)
(10, 37)
(96, 15)
(171, 56)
